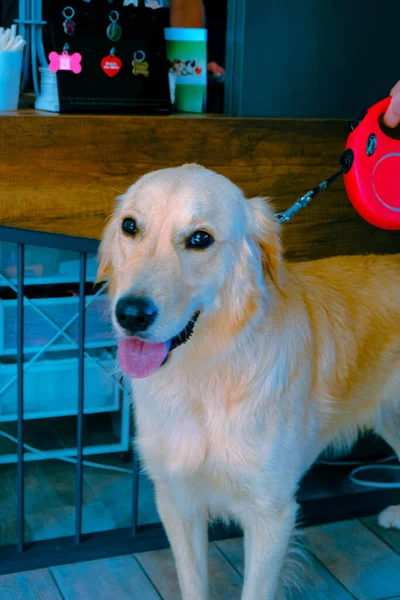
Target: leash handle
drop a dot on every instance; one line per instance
(371, 168)
(373, 182)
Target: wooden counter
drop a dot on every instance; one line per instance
(61, 173)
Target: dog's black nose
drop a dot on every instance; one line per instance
(135, 314)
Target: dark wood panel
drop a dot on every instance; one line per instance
(32, 585)
(314, 580)
(390, 536)
(225, 582)
(61, 173)
(120, 577)
(340, 547)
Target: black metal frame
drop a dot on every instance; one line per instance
(20, 396)
(44, 553)
(23, 238)
(345, 503)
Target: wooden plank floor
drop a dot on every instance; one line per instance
(352, 560)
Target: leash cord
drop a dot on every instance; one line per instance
(346, 162)
(302, 202)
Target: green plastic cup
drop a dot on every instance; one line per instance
(187, 57)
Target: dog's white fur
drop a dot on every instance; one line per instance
(284, 360)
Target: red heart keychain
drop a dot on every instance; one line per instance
(111, 64)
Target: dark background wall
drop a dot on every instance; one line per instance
(311, 58)
(8, 12)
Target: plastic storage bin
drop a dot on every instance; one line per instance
(44, 265)
(39, 332)
(51, 389)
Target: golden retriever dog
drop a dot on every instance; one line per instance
(244, 367)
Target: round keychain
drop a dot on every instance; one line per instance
(139, 64)
(111, 64)
(69, 25)
(114, 31)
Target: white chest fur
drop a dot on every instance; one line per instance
(182, 431)
(212, 437)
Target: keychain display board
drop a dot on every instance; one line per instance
(109, 55)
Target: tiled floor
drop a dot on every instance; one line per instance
(50, 499)
(352, 560)
(347, 561)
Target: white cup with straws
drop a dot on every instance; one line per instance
(11, 51)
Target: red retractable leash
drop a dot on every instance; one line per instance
(370, 165)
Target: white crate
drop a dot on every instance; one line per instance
(38, 331)
(51, 389)
(44, 265)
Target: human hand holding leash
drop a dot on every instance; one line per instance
(392, 115)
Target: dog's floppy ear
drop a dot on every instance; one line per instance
(265, 231)
(106, 270)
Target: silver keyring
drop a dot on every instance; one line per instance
(71, 10)
(112, 18)
(139, 56)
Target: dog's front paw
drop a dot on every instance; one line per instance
(390, 517)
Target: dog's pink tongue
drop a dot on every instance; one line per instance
(138, 358)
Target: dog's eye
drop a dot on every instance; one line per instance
(129, 226)
(199, 240)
